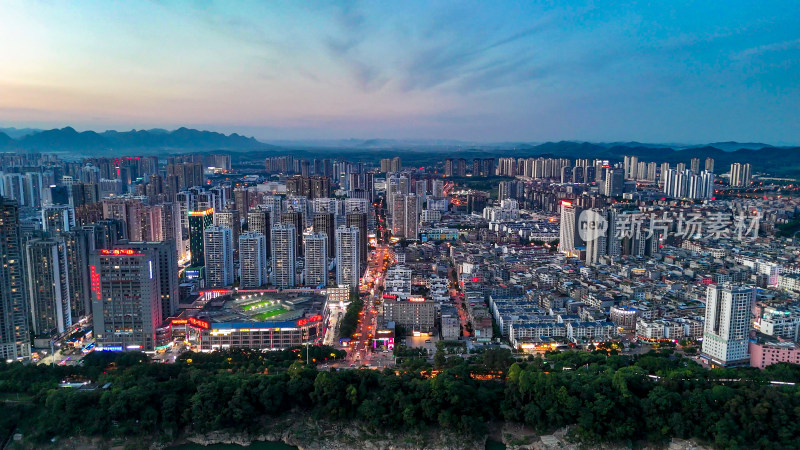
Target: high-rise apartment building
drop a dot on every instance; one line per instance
(614, 182)
(709, 166)
(390, 165)
(325, 222)
(284, 252)
(48, 286)
(126, 302)
(359, 220)
(58, 219)
(569, 236)
(252, 260)
(218, 252)
(14, 320)
(727, 325)
(694, 165)
(405, 216)
(295, 218)
(686, 184)
(80, 245)
(167, 271)
(198, 222)
(347, 257)
(316, 259)
(740, 175)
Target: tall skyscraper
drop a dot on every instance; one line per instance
(412, 210)
(167, 271)
(126, 302)
(48, 286)
(569, 237)
(218, 250)
(596, 235)
(316, 259)
(252, 260)
(614, 183)
(405, 216)
(284, 252)
(14, 320)
(81, 244)
(347, 257)
(198, 222)
(727, 324)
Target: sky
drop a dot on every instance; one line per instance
(493, 71)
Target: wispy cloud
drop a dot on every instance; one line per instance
(782, 46)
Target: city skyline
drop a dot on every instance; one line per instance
(351, 224)
(412, 71)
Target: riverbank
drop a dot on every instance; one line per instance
(305, 433)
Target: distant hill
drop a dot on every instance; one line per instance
(16, 133)
(4, 139)
(68, 139)
(733, 146)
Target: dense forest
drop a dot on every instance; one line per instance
(605, 398)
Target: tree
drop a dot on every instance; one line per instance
(439, 358)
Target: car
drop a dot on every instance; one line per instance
(427, 341)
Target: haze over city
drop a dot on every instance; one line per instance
(685, 72)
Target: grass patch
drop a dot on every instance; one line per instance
(268, 314)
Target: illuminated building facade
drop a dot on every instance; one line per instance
(198, 222)
(14, 339)
(126, 300)
(48, 286)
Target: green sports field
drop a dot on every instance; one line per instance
(268, 314)
(256, 305)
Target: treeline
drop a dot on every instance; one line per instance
(349, 323)
(604, 398)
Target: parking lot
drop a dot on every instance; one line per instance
(419, 342)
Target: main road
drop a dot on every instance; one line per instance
(370, 291)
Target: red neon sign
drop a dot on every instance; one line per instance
(390, 296)
(119, 252)
(315, 318)
(416, 299)
(566, 203)
(199, 323)
(179, 321)
(95, 281)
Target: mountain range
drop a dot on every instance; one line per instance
(764, 157)
(68, 139)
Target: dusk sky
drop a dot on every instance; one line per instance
(680, 72)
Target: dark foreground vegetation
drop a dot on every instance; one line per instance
(616, 398)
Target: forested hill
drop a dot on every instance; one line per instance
(603, 397)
